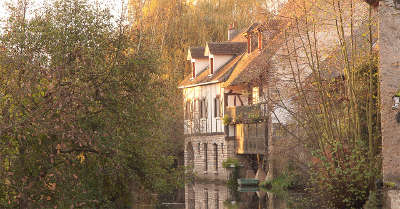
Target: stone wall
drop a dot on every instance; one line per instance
(212, 169)
(389, 53)
(389, 66)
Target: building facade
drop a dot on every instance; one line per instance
(389, 69)
(217, 106)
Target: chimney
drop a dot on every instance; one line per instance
(232, 32)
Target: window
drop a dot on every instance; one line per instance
(193, 69)
(205, 157)
(217, 107)
(249, 44)
(187, 110)
(216, 156)
(211, 66)
(203, 108)
(196, 105)
(205, 198)
(198, 148)
(256, 95)
(216, 199)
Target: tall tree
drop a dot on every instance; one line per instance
(82, 118)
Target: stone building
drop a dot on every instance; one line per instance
(389, 68)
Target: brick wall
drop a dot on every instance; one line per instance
(389, 49)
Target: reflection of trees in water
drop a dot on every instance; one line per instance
(250, 200)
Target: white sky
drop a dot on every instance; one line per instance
(115, 7)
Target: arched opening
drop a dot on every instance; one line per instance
(216, 156)
(205, 198)
(205, 157)
(216, 206)
(191, 195)
(190, 155)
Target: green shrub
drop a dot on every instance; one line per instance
(233, 164)
(282, 182)
(226, 120)
(230, 163)
(374, 200)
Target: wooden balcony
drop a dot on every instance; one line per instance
(246, 114)
(251, 138)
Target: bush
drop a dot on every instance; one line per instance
(283, 182)
(226, 120)
(230, 163)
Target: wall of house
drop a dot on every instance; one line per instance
(211, 124)
(200, 64)
(200, 154)
(389, 53)
(220, 60)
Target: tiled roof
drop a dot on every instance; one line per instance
(243, 67)
(225, 48)
(220, 76)
(252, 27)
(255, 63)
(196, 53)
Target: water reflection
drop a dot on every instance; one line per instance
(201, 195)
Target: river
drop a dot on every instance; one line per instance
(215, 195)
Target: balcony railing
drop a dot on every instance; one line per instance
(246, 114)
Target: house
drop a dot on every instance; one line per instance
(226, 114)
(230, 111)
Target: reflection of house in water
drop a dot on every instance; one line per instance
(214, 196)
(205, 196)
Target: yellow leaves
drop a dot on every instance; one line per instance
(81, 157)
(58, 147)
(147, 10)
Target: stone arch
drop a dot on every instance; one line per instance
(191, 196)
(215, 147)
(205, 157)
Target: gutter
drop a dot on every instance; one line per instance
(199, 84)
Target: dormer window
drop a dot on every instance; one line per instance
(193, 69)
(249, 43)
(197, 60)
(211, 65)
